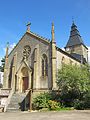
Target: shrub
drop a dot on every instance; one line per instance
(41, 101)
(84, 102)
(45, 100)
(53, 105)
(79, 105)
(86, 99)
(67, 97)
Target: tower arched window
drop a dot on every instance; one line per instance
(44, 65)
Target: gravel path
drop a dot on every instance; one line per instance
(62, 115)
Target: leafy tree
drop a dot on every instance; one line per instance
(73, 82)
(73, 77)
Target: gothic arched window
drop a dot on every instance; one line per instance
(44, 65)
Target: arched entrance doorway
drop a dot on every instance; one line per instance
(25, 79)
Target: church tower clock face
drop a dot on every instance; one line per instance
(26, 52)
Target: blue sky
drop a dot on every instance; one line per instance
(14, 15)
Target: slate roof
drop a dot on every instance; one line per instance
(67, 54)
(75, 38)
(79, 57)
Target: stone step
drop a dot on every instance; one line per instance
(15, 101)
(13, 110)
(12, 105)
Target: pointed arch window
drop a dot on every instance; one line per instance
(44, 65)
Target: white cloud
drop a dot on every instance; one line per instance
(63, 49)
(10, 47)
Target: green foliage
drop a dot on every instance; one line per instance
(86, 99)
(41, 101)
(64, 108)
(79, 104)
(84, 102)
(74, 90)
(73, 77)
(44, 100)
(53, 105)
(73, 83)
(67, 98)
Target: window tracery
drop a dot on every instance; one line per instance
(26, 52)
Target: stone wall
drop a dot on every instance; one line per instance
(63, 58)
(42, 48)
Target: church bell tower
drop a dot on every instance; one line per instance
(75, 45)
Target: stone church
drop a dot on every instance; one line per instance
(33, 64)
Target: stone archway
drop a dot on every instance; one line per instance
(25, 79)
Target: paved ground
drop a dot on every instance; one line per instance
(63, 115)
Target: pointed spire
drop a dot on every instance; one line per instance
(53, 35)
(7, 48)
(53, 56)
(75, 38)
(72, 20)
(74, 30)
(28, 26)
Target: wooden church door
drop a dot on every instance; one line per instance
(25, 83)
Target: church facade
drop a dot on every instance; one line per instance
(34, 61)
